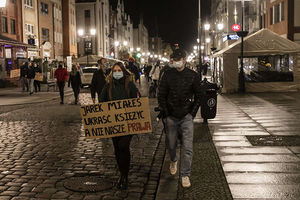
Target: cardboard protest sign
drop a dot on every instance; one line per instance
(15, 73)
(116, 118)
(39, 76)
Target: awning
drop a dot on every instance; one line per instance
(262, 42)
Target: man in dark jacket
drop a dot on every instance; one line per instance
(30, 77)
(179, 100)
(133, 69)
(23, 76)
(98, 80)
(37, 84)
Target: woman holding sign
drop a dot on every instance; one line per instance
(120, 85)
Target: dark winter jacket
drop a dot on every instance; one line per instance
(179, 93)
(75, 80)
(118, 91)
(134, 69)
(37, 69)
(98, 83)
(30, 73)
(23, 71)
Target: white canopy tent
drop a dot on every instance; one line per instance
(261, 43)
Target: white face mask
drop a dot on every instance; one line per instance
(177, 64)
(118, 75)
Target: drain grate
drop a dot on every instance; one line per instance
(274, 140)
(87, 184)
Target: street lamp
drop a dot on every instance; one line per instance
(207, 40)
(138, 49)
(93, 31)
(80, 32)
(202, 47)
(220, 26)
(117, 43)
(125, 43)
(131, 49)
(206, 27)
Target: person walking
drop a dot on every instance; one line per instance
(75, 82)
(30, 77)
(179, 96)
(37, 84)
(154, 74)
(23, 76)
(98, 80)
(133, 69)
(61, 76)
(120, 85)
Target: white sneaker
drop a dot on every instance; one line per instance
(185, 181)
(173, 167)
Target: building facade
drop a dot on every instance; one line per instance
(141, 37)
(156, 45)
(282, 17)
(45, 25)
(30, 26)
(12, 48)
(69, 30)
(93, 16)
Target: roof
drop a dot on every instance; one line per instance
(9, 41)
(263, 41)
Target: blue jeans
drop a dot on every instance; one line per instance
(185, 127)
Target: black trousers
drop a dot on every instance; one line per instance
(61, 87)
(122, 152)
(76, 93)
(37, 85)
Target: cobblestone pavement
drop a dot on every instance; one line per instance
(42, 145)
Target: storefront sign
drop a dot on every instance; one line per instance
(20, 53)
(116, 118)
(236, 27)
(32, 54)
(7, 53)
(230, 37)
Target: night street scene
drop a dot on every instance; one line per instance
(149, 99)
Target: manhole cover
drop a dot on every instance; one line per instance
(87, 184)
(274, 140)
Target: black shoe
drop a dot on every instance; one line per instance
(123, 182)
(30, 93)
(61, 102)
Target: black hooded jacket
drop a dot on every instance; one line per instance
(98, 82)
(179, 93)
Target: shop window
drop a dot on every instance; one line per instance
(282, 11)
(4, 24)
(29, 29)
(271, 16)
(278, 68)
(44, 8)
(13, 26)
(28, 3)
(276, 14)
(45, 34)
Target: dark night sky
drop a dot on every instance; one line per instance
(176, 19)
